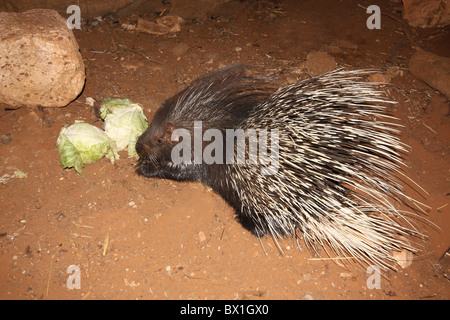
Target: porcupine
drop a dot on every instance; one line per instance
(339, 156)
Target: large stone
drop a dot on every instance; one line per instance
(427, 13)
(432, 69)
(40, 64)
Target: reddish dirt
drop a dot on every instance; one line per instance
(169, 240)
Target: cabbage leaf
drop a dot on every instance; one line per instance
(124, 123)
(83, 143)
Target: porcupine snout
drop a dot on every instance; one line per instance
(144, 166)
(147, 165)
(141, 149)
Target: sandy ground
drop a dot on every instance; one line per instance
(138, 238)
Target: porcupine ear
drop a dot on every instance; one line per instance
(168, 131)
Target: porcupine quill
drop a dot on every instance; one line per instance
(339, 159)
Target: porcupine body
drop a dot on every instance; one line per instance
(338, 158)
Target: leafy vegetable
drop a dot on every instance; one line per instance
(17, 174)
(83, 143)
(124, 123)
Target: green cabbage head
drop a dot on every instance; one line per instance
(124, 123)
(83, 143)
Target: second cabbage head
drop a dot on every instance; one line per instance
(124, 123)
